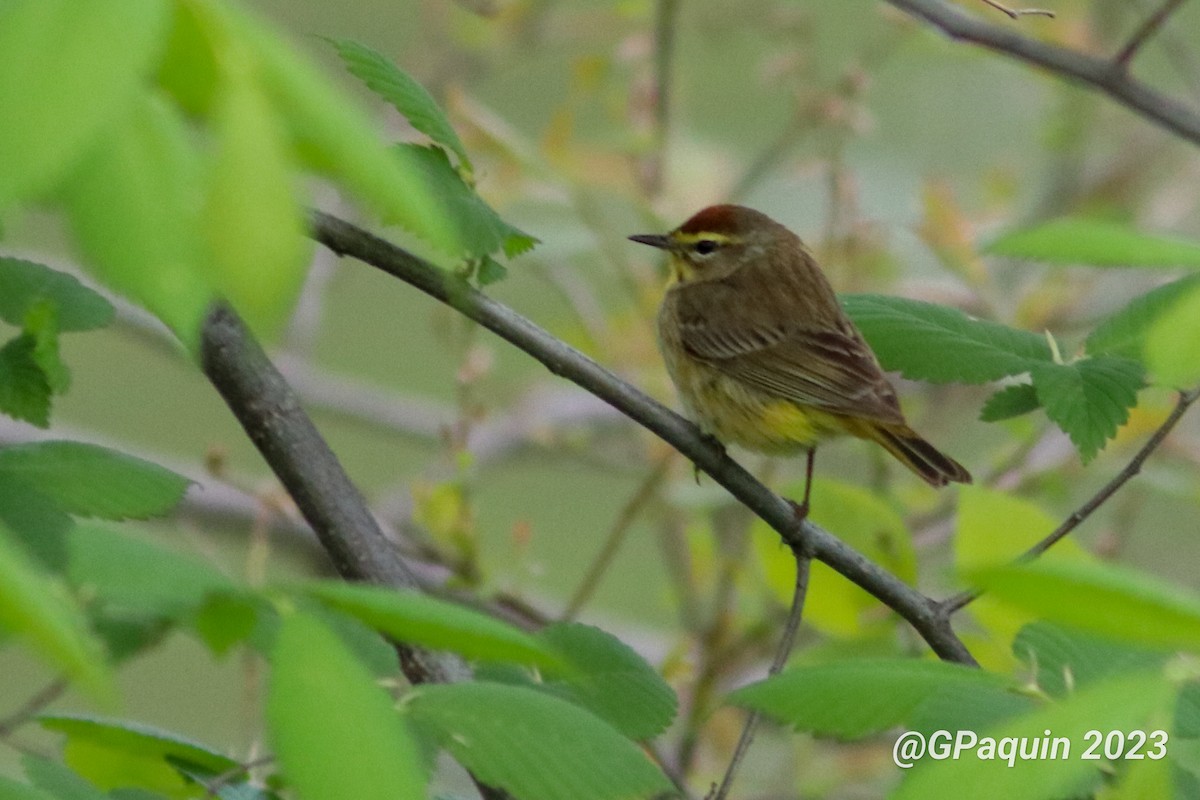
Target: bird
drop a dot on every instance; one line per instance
(762, 354)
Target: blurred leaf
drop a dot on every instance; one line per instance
(370, 648)
(935, 343)
(535, 746)
(132, 206)
(11, 790)
(1100, 598)
(224, 619)
(66, 70)
(609, 679)
(412, 617)
(59, 781)
(1079, 240)
(35, 607)
(1089, 399)
(227, 788)
(41, 322)
(252, 215)
(1065, 659)
(24, 388)
(114, 753)
(36, 521)
(1011, 401)
(853, 699)
(119, 569)
(1141, 780)
(1124, 333)
(334, 730)
(399, 88)
(89, 480)
(1123, 703)
(24, 284)
(491, 271)
(1173, 341)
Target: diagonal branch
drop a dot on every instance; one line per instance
(1101, 74)
(1147, 29)
(924, 614)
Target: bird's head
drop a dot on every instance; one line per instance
(716, 242)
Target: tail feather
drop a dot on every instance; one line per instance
(933, 466)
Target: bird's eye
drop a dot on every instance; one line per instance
(705, 246)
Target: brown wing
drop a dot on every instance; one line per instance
(767, 343)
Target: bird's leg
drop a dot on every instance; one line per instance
(801, 508)
(712, 441)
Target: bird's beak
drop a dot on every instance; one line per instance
(652, 239)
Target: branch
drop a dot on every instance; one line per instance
(1099, 73)
(1147, 29)
(925, 615)
(1017, 13)
(1072, 522)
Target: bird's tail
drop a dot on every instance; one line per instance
(935, 467)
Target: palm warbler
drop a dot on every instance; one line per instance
(763, 355)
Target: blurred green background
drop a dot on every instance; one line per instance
(894, 152)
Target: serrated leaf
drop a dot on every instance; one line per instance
(35, 607)
(1080, 240)
(418, 619)
(1064, 659)
(93, 481)
(935, 343)
(131, 204)
(1123, 703)
(66, 71)
(852, 699)
(399, 88)
(1173, 341)
(609, 679)
(24, 388)
(24, 284)
(115, 753)
(1089, 399)
(1011, 401)
(480, 228)
(252, 216)
(533, 745)
(1124, 333)
(1100, 598)
(334, 730)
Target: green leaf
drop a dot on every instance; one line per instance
(42, 324)
(113, 753)
(132, 204)
(1124, 333)
(418, 619)
(533, 745)
(35, 607)
(1124, 703)
(334, 730)
(609, 679)
(59, 781)
(66, 71)
(1104, 599)
(934, 343)
(481, 229)
(24, 388)
(123, 571)
(852, 699)
(399, 88)
(1079, 240)
(24, 284)
(491, 271)
(1011, 401)
(1089, 399)
(1173, 341)
(1065, 659)
(252, 216)
(11, 790)
(36, 521)
(93, 481)
(224, 619)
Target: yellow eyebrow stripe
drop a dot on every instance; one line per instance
(691, 238)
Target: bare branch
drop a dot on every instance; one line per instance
(1017, 13)
(1099, 73)
(1147, 29)
(1186, 399)
(921, 612)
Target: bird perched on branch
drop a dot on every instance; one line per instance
(762, 354)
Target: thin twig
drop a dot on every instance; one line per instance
(1186, 399)
(654, 164)
(33, 706)
(612, 543)
(1017, 13)
(923, 613)
(786, 641)
(1147, 29)
(1098, 73)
